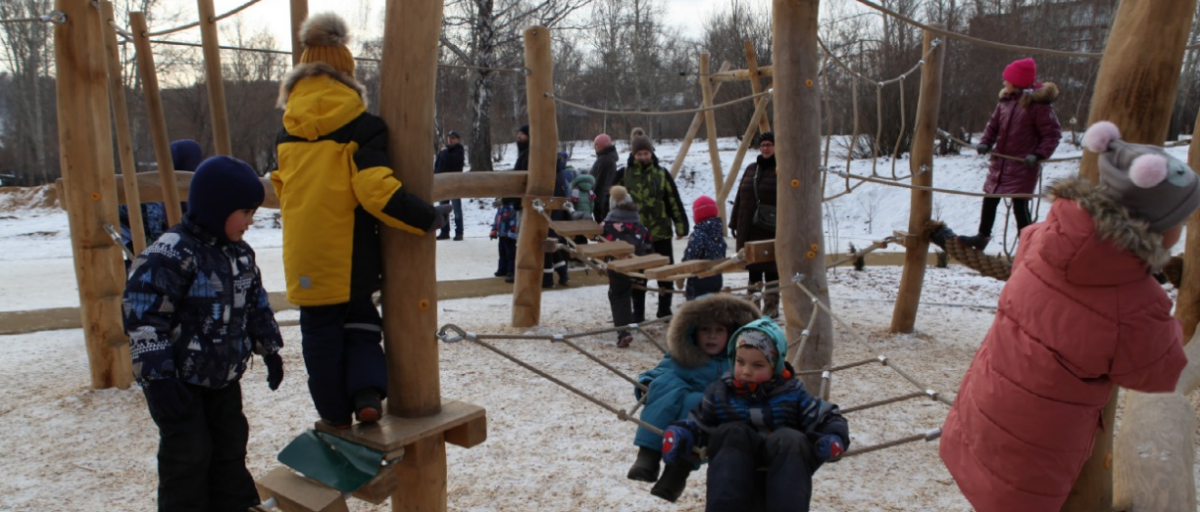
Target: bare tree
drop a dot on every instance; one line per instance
(30, 126)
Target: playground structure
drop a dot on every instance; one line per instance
(88, 86)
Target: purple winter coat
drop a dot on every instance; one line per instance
(1022, 124)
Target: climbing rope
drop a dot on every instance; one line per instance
(891, 183)
(933, 46)
(285, 52)
(658, 113)
(213, 19)
(965, 144)
(990, 266)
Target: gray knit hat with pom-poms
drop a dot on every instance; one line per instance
(1151, 184)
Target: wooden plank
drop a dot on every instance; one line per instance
(549, 203)
(469, 434)
(380, 488)
(461, 185)
(217, 112)
(638, 263)
(693, 130)
(577, 228)
(755, 86)
(116, 95)
(392, 433)
(685, 267)
(294, 493)
(155, 112)
(549, 245)
(710, 125)
(616, 249)
(151, 191)
(762, 251)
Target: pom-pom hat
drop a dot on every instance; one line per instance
(641, 143)
(1153, 185)
(619, 199)
(325, 37)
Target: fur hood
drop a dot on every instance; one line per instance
(728, 310)
(302, 71)
(1047, 93)
(1113, 221)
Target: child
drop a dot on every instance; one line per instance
(758, 415)
(1023, 125)
(194, 309)
(706, 243)
(335, 188)
(583, 196)
(628, 305)
(1080, 315)
(504, 227)
(697, 338)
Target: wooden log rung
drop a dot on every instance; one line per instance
(638, 263)
(762, 251)
(391, 433)
(570, 228)
(615, 249)
(665, 273)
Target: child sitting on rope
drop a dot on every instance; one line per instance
(707, 242)
(1079, 315)
(698, 339)
(623, 224)
(758, 416)
(1022, 126)
(195, 310)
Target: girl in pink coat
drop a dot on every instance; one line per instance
(1079, 315)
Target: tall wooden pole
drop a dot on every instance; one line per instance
(764, 125)
(299, 14)
(91, 190)
(409, 79)
(213, 78)
(800, 241)
(543, 144)
(1135, 88)
(120, 112)
(693, 129)
(916, 247)
(760, 110)
(1187, 304)
(710, 124)
(158, 119)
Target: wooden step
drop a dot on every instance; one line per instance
(569, 228)
(464, 424)
(600, 250)
(638, 263)
(294, 493)
(762, 251)
(683, 268)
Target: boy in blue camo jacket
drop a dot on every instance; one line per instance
(195, 310)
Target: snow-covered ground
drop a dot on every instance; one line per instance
(71, 448)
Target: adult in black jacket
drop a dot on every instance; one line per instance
(451, 158)
(757, 187)
(603, 169)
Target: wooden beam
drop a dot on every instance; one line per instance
(636, 263)
(1187, 304)
(151, 190)
(84, 128)
(154, 111)
(461, 185)
(710, 124)
(116, 96)
(764, 125)
(1135, 88)
(693, 129)
(600, 250)
(668, 272)
(294, 493)
(543, 148)
(570, 228)
(760, 109)
(760, 251)
(740, 75)
(299, 12)
(213, 79)
(797, 102)
(916, 250)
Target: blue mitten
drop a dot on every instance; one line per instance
(274, 364)
(168, 397)
(678, 441)
(829, 447)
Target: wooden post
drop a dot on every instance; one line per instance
(158, 120)
(299, 14)
(1135, 88)
(760, 110)
(91, 190)
(710, 125)
(543, 144)
(120, 112)
(213, 79)
(1187, 304)
(908, 299)
(409, 78)
(693, 129)
(764, 124)
(799, 243)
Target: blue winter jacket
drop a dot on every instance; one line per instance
(195, 309)
(707, 242)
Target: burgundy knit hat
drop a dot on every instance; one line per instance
(1021, 73)
(703, 209)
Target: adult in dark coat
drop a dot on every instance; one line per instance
(757, 187)
(1023, 125)
(452, 158)
(603, 169)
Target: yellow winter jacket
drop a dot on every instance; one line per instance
(334, 185)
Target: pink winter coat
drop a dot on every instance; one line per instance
(1080, 314)
(1022, 124)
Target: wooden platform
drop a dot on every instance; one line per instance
(638, 263)
(464, 424)
(679, 269)
(570, 228)
(600, 250)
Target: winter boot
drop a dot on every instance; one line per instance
(367, 405)
(547, 279)
(977, 242)
(624, 339)
(458, 237)
(771, 304)
(510, 278)
(645, 468)
(674, 480)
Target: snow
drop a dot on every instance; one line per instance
(74, 448)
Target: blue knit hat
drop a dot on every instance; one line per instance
(186, 155)
(221, 186)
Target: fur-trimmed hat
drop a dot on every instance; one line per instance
(619, 199)
(325, 38)
(1153, 185)
(640, 143)
(717, 308)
